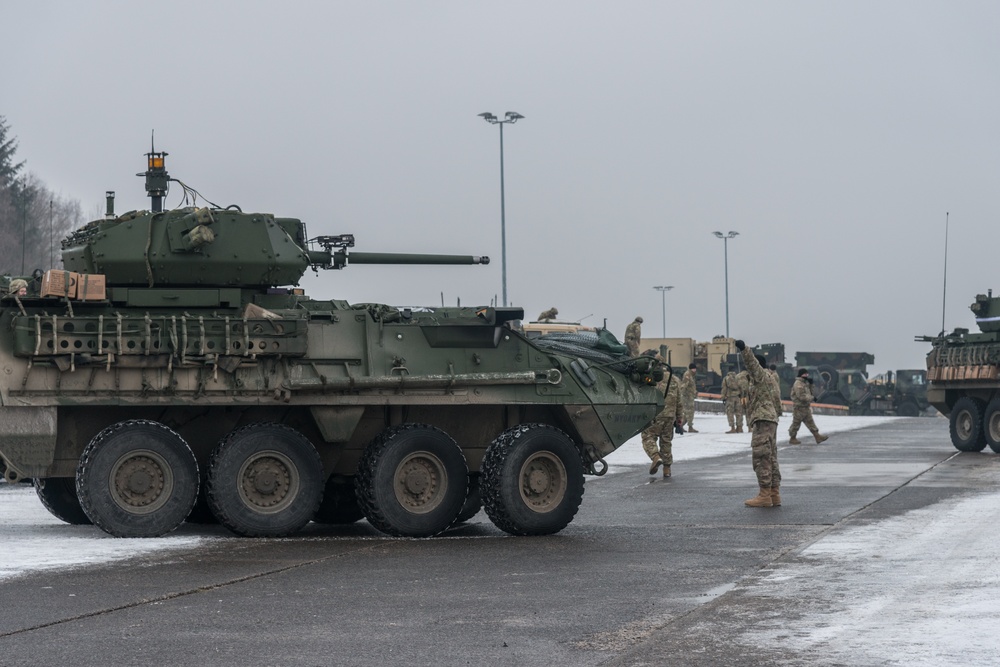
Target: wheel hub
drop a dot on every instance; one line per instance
(269, 482)
(141, 482)
(420, 482)
(543, 482)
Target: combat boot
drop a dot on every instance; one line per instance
(692, 429)
(732, 429)
(762, 499)
(739, 429)
(666, 472)
(775, 497)
(655, 465)
(794, 441)
(820, 437)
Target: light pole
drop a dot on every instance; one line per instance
(663, 293)
(510, 117)
(725, 242)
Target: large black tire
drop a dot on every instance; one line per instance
(265, 480)
(58, 495)
(908, 409)
(137, 478)
(473, 500)
(966, 422)
(412, 481)
(340, 502)
(991, 425)
(532, 480)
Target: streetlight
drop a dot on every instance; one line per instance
(509, 117)
(725, 242)
(663, 293)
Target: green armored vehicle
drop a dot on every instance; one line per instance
(172, 371)
(963, 381)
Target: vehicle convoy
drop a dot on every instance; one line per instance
(172, 365)
(963, 380)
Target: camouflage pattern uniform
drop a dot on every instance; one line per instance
(763, 410)
(802, 397)
(633, 334)
(732, 394)
(689, 390)
(549, 314)
(662, 428)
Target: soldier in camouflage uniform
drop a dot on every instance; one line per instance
(689, 390)
(732, 394)
(764, 408)
(802, 397)
(549, 314)
(662, 428)
(633, 334)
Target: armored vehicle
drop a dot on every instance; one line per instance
(172, 365)
(903, 393)
(963, 381)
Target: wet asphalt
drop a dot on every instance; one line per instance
(648, 573)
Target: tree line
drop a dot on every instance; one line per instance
(33, 219)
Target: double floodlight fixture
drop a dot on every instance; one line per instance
(730, 235)
(509, 117)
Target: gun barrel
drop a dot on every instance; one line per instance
(412, 258)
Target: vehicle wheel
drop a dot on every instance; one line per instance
(340, 503)
(908, 409)
(412, 481)
(265, 480)
(137, 478)
(967, 425)
(473, 500)
(58, 495)
(532, 480)
(991, 424)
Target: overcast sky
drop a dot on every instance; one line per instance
(833, 137)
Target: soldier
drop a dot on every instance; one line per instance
(772, 370)
(744, 382)
(688, 392)
(764, 408)
(18, 287)
(633, 334)
(662, 428)
(802, 396)
(733, 397)
(550, 314)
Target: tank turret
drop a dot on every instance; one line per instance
(225, 247)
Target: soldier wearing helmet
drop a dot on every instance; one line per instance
(633, 334)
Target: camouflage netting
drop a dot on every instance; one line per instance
(600, 346)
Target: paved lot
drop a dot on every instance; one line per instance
(658, 572)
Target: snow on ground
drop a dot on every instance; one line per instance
(712, 439)
(920, 589)
(35, 540)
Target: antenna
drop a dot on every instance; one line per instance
(944, 289)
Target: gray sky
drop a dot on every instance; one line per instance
(832, 136)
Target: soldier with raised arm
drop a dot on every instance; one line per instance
(763, 410)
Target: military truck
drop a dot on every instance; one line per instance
(963, 375)
(844, 374)
(173, 362)
(902, 392)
